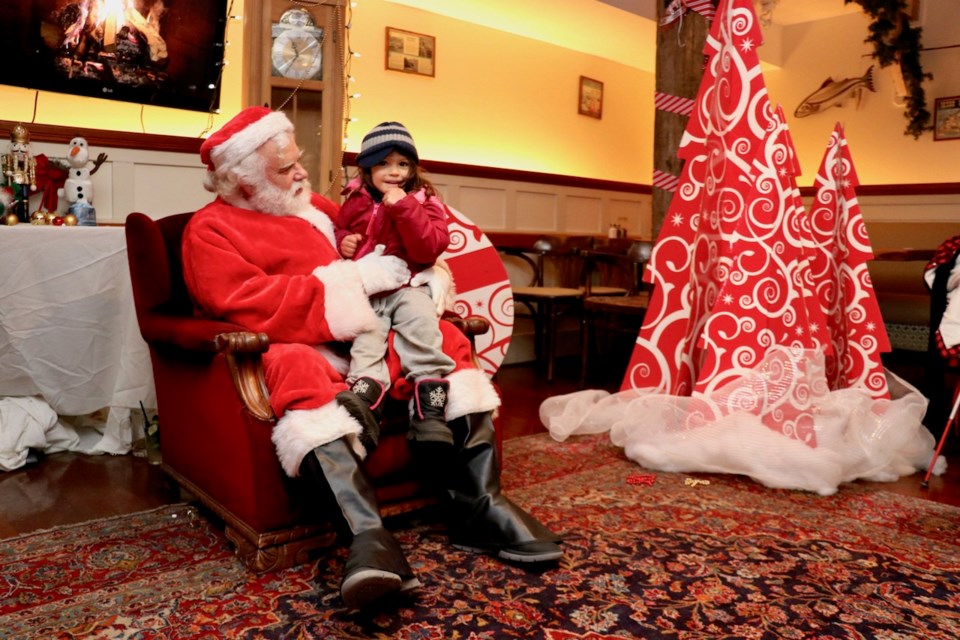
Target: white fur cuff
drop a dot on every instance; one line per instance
(299, 432)
(348, 311)
(470, 392)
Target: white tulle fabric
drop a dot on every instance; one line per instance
(749, 427)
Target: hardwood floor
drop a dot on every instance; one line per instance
(67, 488)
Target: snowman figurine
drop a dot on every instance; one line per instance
(78, 189)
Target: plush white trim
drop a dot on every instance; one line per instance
(299, 432)
(348, 311)
(470, 392)
(249, 139)
(320, 221)
(450, 296)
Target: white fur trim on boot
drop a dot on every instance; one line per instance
(470, 392)
(300, 431)
(348, 311)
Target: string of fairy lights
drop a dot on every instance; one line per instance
(344, 57)
(347, 78)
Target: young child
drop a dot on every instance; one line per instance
(391, 207)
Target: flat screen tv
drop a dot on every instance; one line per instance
(158, 52)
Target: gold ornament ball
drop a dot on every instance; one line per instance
(70, 220)
(49, 216)
(38, 217)
(11, 219)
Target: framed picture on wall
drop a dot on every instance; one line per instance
(411, 52)
(591, 97)
(946, 118)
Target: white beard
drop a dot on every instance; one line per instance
(269, 198)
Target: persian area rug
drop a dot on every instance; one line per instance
(647, 556)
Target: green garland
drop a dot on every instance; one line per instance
(895, 40)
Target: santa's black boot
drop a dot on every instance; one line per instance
(364, 401)
(482, 518)
(375, 567)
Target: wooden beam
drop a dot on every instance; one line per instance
(679, 71)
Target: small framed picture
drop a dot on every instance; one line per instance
(410, 52)
(946, 118)
(591, 97)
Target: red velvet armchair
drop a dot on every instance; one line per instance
(216, 418)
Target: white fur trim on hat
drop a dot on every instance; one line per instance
(470, 392)
(247, 140)
(347, 309)
(300, 431)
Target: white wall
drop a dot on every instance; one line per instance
(882, 154)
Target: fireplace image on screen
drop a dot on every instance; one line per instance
(161, 52)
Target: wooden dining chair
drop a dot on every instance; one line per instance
(544, 303)
(620, 313)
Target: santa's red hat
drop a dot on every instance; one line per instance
(242, 135)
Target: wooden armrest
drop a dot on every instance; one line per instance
(471, 326)
(183, 332)
(243, 351)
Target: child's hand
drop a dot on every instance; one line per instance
(393, 195)
(348, 248)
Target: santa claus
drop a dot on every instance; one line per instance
(262, 255)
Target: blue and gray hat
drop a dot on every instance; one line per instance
(382, 139)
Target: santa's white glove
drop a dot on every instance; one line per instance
(382, 273)
(440, 282)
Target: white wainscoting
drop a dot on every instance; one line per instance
(161, 183)
(506, 205)
(157, 183)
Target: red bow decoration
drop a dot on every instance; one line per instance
(51, 176)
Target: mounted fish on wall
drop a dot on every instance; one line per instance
(833, 93)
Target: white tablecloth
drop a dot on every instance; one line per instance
(68, 333)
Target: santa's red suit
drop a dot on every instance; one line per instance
(281, 275)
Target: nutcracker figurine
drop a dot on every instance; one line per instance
(20, 172)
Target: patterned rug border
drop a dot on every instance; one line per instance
(729, 559)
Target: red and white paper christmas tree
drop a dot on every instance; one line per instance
(759, 352)
(839, 270)
(740, 271)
